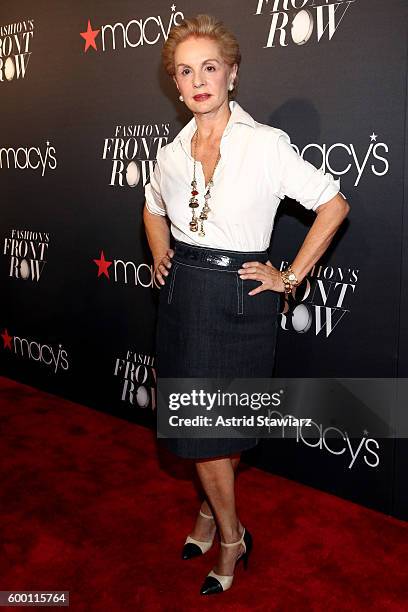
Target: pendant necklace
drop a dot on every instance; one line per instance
(193, 204)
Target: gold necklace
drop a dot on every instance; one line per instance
(193, 200)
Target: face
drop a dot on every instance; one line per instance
(200, 69)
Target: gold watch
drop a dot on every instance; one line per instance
(289, 279)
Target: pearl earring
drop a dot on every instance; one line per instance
(231, 87)
(181, 98)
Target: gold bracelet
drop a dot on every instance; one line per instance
(289, 279)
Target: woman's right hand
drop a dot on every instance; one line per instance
(163, 265)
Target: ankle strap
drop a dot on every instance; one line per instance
(209, 516)
(241, 541)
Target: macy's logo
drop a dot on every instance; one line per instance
(134, 33)
(121, 273)
(337, 444)
(31, 349)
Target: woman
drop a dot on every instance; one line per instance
(219, 183)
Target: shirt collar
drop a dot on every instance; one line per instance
(238, 115)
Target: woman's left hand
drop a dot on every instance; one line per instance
(269, 276)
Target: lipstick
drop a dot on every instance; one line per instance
(201, 97)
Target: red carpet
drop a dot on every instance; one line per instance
(88, 505)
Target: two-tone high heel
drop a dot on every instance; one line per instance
(195, 548)
(217, 583)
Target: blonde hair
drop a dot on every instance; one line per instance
(205, 26)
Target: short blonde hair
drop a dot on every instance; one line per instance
(205, 26)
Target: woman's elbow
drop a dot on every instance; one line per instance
(338, 203)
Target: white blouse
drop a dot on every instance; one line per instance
(258, 167)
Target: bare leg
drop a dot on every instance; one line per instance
(205, 528)
(218, 480)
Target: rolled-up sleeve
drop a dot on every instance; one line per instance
(154, 201)
(301, 180)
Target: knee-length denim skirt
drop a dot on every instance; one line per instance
(209, 327)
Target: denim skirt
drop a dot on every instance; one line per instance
(209, 327)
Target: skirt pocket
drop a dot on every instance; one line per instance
(171, 279)
(263, 304)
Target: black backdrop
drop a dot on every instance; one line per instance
(79, 134)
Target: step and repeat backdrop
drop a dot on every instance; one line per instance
(85, 107)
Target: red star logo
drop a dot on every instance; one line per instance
(103, 265)
(89, 37)
(6, 339)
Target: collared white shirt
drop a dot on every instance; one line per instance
(258, 167)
